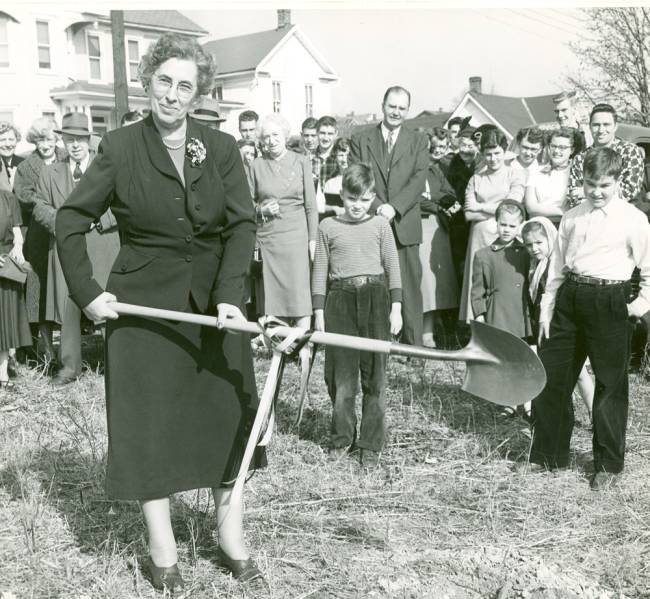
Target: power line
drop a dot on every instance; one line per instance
(507, 24)
(554, 19)
(540, 21)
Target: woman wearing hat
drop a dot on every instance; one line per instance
(54, 187)
(180, 398)
(37, 238)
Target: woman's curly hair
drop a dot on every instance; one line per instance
(173, 45)
(7, 126)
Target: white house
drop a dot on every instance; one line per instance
(54, 61)
(272, 71)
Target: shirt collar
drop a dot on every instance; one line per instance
(385, 131)
(83, 164)
(614, 205)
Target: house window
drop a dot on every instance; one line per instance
(43, 41)
(309, 101)
(4, 43)
(134, 59)
(276, 96)
(217, 92)
(94, 57)
(48, 115)
(100, 123)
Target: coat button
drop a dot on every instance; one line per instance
(198, 207)
(188, 238)
(197, 227)
(188, 258)
(178, 198)
(193, 187)
(123, 268)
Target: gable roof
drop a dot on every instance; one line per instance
(515, 113)
(159, 19)
(244, 52)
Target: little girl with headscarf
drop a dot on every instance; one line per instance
(539, 235)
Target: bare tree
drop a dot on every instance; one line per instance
(615, 60)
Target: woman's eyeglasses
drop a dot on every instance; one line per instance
(162, 84)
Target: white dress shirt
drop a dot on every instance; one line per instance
(385, 131)
(605, 243)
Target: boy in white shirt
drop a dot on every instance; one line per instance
(584, 312)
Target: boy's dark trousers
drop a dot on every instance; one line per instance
(357, 306)
(589, 320)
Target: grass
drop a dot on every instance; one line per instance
(448, 516)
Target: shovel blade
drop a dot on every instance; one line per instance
(513, 378)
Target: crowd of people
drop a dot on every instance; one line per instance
(390, 233)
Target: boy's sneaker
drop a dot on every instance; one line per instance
(369, 458)
(602, 481)
(337, 453)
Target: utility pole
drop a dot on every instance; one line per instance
(120, 86)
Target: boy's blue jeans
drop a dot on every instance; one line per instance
(357, 306)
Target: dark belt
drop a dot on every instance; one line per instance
(356, 282)
(584, 280)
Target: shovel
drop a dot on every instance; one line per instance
(501, 368)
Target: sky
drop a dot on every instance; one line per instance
(432, 52)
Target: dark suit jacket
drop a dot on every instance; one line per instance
(178, 240)
(402, 183)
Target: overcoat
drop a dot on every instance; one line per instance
(54, 187)
(180, 398)
(500, 288)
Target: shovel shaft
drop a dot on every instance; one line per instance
(322, 338)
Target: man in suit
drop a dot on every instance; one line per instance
(399, 158)
(55, 185)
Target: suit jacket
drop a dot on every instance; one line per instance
(55, 185)
(180, 240)
(402, 182)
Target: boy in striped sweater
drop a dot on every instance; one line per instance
(357, 290)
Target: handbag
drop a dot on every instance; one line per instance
(13, 271)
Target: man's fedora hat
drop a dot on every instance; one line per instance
(207, 110)
(75, 123)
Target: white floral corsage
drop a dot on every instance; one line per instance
(195, 151)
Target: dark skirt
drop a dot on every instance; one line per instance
(14, 326)
(180, 401)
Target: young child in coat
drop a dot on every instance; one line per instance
(539, 235)
(584, 312)
(357, 290)
(499, 289)
(14, 327)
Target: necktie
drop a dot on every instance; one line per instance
(76, 174)
(389, 143)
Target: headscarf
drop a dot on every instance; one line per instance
(537, 269)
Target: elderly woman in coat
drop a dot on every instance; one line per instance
(37, 238)
(180, 398)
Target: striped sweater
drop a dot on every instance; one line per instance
(352, 248)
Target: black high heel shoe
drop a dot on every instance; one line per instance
(164, 578)
(243, 570)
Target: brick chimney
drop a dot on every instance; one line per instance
(475, 84)
(284, 18)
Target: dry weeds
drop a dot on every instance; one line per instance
(449, 515)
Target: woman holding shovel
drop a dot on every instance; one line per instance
(180, 398)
